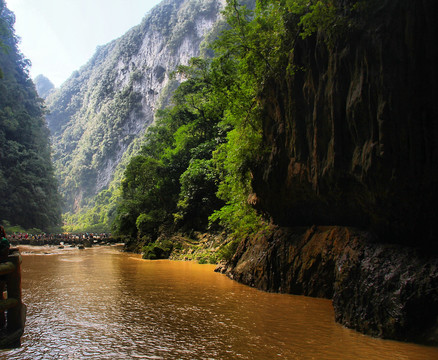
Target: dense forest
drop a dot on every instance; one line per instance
(28, 188)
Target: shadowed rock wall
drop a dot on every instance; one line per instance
(352, 136)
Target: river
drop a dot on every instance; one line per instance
(101, 303)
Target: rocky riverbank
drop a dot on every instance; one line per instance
(379, 289)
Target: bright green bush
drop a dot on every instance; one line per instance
(227, 251)
(157, 250)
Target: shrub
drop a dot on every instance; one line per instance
(157, 250)
(227, 251)
(212, 259)
(202, 260)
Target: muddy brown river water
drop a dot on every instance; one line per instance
(101, 303)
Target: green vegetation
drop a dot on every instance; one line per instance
(10, 229)
(195, 164)
(227, 251)
(28, 189)
(157, 250)
(98, 117)
(194, 170)
(173, 177)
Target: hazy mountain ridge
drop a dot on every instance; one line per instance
(44, 86)
(103, 108)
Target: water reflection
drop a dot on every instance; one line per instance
(102, 304)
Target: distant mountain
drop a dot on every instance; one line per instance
(44, 86)
(28, 189)
(99, 115)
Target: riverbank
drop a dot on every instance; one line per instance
(205, 248)
(85, 239)
(383, 290)
(61, 249)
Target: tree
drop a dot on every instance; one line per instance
(28, 188)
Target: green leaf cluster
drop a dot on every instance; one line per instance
(227, 251)
(96, 218)
(157, 250)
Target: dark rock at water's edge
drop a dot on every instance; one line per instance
(383, 290)
(388, 291)
(351, 137)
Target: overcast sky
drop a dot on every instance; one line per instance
(59, 36)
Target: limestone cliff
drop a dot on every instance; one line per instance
(100, 113)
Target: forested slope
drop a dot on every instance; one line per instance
(98, 117)
(28, 189)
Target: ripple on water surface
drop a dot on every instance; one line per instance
(102, 304)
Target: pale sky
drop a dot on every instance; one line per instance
(59, 36)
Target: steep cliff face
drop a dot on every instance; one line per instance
(353, 133)
(98, 116)
(43, 86)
